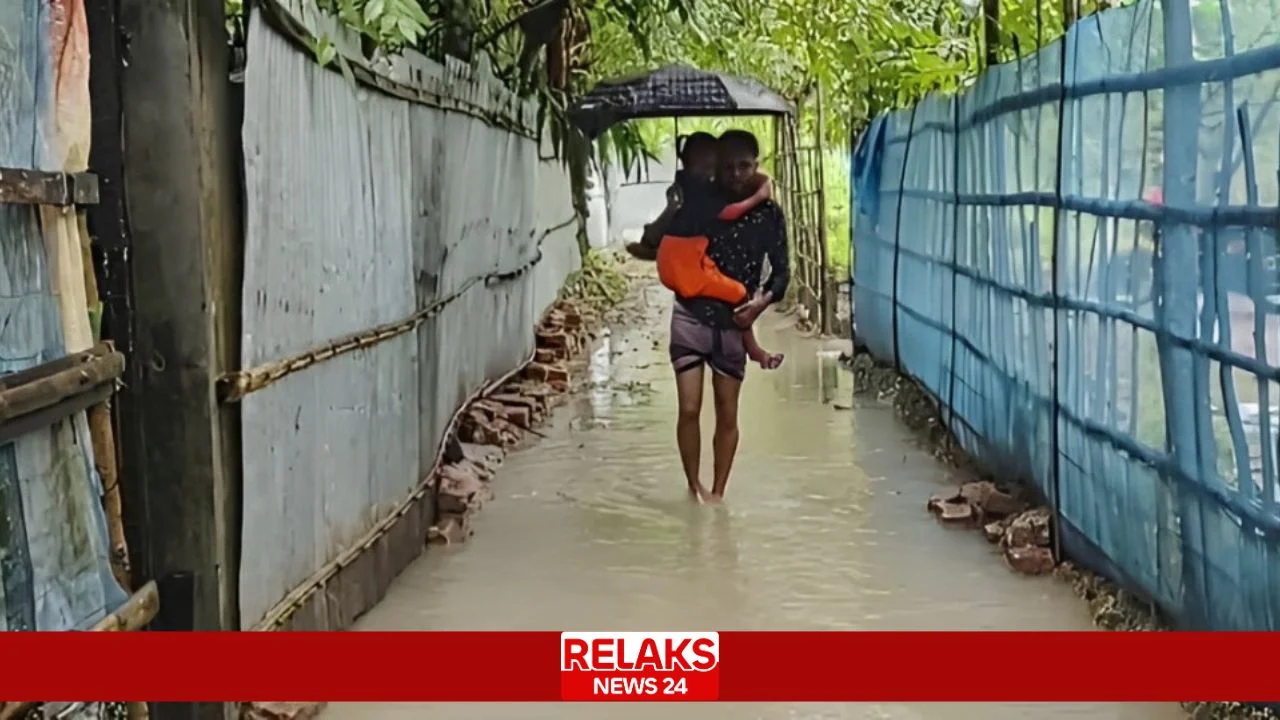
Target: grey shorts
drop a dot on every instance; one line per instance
(693, 343)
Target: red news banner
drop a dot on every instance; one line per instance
(555, 666)
(639, 666)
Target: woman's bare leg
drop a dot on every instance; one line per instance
(724, 445)
(689, 427)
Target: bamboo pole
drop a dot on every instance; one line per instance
(826, 303)
(102, 435)
(281, 612)
(43, 392)
(133, 615)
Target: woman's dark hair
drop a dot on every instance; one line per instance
(741, 140)
(693, 141)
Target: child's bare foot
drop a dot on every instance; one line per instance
(765, 359)
(640, 251)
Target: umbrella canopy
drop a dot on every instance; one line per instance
(673, 91)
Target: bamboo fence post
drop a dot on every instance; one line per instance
(104, 457)
(133, 615)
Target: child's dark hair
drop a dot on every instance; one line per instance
(693, 142)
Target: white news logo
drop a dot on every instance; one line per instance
(639, 652)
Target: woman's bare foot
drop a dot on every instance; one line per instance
(699, 494)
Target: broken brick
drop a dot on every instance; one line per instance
(1029, 560)
(477, 427)
(985, 496)
(994, 531)
(549, 339)
(514, 400)
(491, 409)
(486, 458)
(461, 489)
(520, 415)
(547, 372)
(450, 530)
(951, 507)
(1030, 529)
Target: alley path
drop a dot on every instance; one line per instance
(824, 528)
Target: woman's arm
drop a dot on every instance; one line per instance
(779, 272)
(776, 251)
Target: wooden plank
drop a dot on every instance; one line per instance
(67, 383)
(52, 367)
(180, 164)
(22, 186)
(135, 613)
(44, 417)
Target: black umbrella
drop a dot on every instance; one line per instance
(673, 91)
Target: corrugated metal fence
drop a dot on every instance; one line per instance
(429, 213)
(55, 573)
(1078, 258)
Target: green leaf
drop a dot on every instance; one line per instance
(325, 51)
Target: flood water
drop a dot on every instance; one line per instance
(824, 528)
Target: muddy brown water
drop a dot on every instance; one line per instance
(824, 528)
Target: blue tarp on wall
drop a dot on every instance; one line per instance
(54, 567)
(1077, 257)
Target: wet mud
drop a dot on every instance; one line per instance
(1110, 606)
(823, 528)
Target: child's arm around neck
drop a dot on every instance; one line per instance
(763, 191)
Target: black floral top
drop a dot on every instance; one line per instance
(739, 250)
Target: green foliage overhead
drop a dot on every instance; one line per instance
(868, 56)
(390, 24)
(865, 56)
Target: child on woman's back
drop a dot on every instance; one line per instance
(694, 206)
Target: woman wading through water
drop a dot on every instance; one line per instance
(708, 331)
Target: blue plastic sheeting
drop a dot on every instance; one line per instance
(1078, 258)
(54, 567)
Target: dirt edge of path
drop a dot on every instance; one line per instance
(1111, 607)
(501, 417)
(508, 413)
